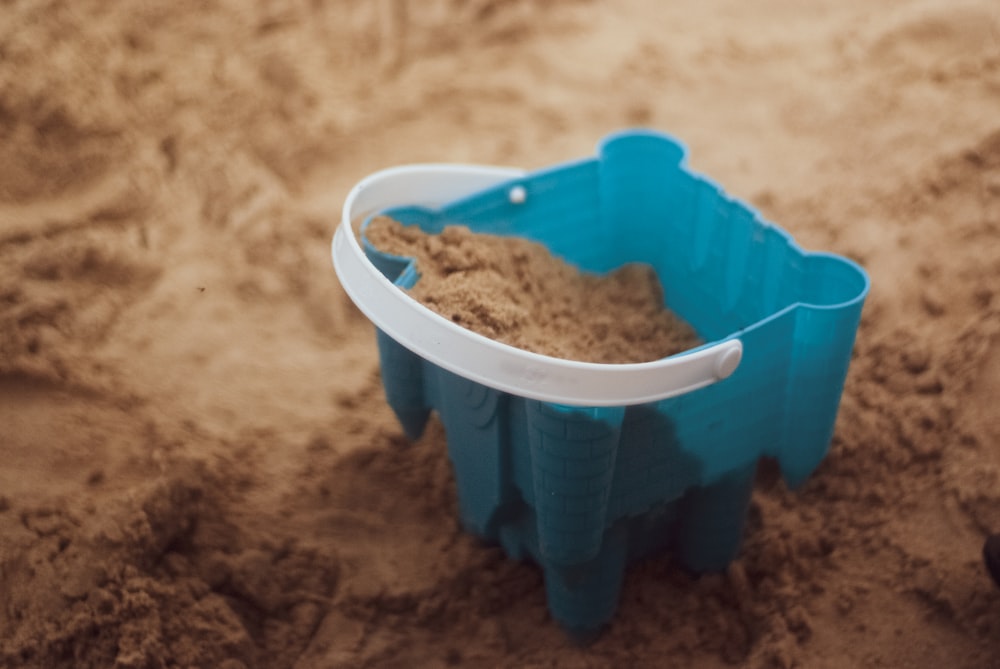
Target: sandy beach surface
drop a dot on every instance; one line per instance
(197, 465)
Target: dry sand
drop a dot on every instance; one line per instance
(197, 468)
(515, 291)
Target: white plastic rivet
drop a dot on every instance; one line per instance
(517, 195)
(727, 363)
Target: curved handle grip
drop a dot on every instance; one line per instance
(480, 358)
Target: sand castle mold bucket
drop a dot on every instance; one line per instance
(585, 467)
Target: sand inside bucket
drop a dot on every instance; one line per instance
(515, 291)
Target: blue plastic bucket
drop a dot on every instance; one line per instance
(585, 467)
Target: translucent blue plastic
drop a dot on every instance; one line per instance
(583, 491)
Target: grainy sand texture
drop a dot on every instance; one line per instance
(197, 465)
(515, 291)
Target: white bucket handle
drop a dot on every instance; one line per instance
(480, 358)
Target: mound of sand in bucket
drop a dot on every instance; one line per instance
(515, 291)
